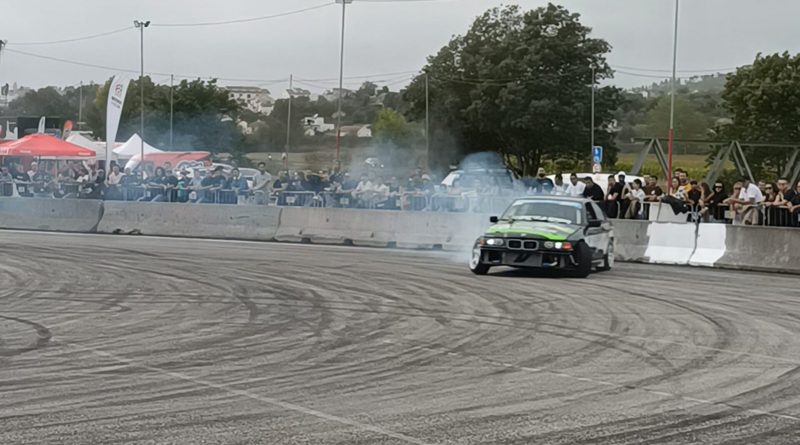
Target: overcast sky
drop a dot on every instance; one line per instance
(389, 36)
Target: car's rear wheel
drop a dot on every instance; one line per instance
(608, 258)
(583, 255)
(475, 264)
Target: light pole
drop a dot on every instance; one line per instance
(427, 116)
(80, 106)
(171, 110)
(592, 123)
(141, 25)
(672, 100)
(3, 45)
(288, 125)
(341, 81)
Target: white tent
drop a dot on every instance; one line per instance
(133, 147)
(80, 140)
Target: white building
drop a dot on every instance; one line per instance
(316, 125)
(257, 100)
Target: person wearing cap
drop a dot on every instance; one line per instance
(541, 184)
(211, 184)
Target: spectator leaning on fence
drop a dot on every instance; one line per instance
(749, 198)
(592, 190)
(237, 183)
(652, 190)
(541, 184)
(575, 188)
(635, 199)
(794, 205)
(559, 188)
(785, 193)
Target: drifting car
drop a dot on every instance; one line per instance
(547, 232)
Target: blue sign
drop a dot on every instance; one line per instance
(597, 154)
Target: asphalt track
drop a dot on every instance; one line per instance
(115, 339)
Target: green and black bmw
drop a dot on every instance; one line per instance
(547, 232)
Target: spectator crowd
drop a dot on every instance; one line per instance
(744, 202)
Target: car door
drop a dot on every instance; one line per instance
(603, 235)
(596, 237)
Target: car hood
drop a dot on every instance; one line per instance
(534, 229)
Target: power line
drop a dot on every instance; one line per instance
(652, 70)
(75, 39)
(124, 70)
(245, 20)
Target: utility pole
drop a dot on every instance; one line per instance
(672, 99)
(592, 124)
(171, 110)
(341, 82)
(289, 125)
(141, 25)
(3, 45)
(427, 116)
(80, 105)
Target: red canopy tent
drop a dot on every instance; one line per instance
(44, 146)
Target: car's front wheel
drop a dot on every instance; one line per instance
(475, 264)
(608, 258)
(583, 256)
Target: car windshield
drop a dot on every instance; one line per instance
(544, 210)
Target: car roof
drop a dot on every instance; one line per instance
(552, 198)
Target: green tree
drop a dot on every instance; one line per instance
(204, 116)
(391, 127)
(46, 101)
(763, 102)
(689, 122)
(518, 83)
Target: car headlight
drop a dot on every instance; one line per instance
(495, 242)
(559, 245)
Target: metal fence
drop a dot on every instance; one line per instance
(408, 201)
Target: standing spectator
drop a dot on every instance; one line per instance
(712, 203)
(42, 180)
(19, 175)
(261, 184)
(113, 183)
(610, 201)
(237, 183)
(559, 188)
(749, 198)
(171, 184)
(785, 192)
(183, 187)
(592, 190)
(652, 190)
(618, 193)
(281, 182)
(678, 192)
(156, 186)
(210, 185)
(541, 184)
(575, 188)
(33, 170)
(683, 180)
(635, 200)
(794, 205)
(365, 185)
(695, 195)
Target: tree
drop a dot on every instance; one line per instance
(391, 127)
(689, 122)
(518, 83)
(204, 115)
(764, 105)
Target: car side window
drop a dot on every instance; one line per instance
(590, 213)
(599, 212)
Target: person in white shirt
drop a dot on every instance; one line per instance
(635, 195)
(575, 188)
(34, 169)
(262, 183)
(559, 188)
(749, 198)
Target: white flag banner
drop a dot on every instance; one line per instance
(42, 121)
(116, 98)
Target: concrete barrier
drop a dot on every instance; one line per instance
(670, 243)
(375, 228)
(62, 215)
(244, 222)
(631, 240)
(710, 245)
(761, 248)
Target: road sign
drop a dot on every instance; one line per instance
(596, 168)
(597, 154)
